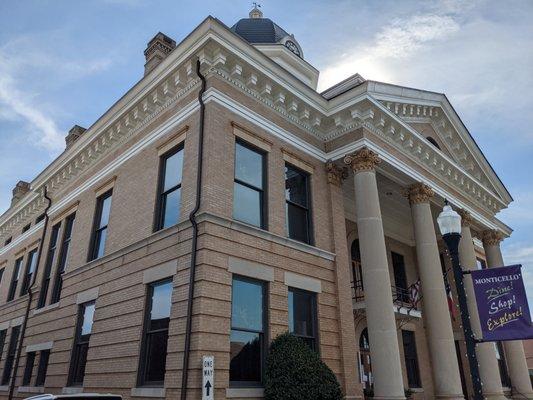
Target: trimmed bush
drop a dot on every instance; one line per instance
(295, 372)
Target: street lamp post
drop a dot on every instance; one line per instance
(449, 223)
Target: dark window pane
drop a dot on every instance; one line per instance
(301, 319)
(298, 223)
(156, 356)
(161, 301)
(247, 205)
(63, 257)
(43, 368)
(171, 208)
(245, 356)
(14, 279)
(28, 370)
(10, 358)
(30, 269)
(81, 344)
(248, 166)
(154, 347)
(173, 170)
(80, 363)
(296, 186)
(411, 359)
(106, 207)
(247, 305)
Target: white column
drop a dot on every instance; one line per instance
(486, 355)
(383, 337)
(514, 350)
(436, 314)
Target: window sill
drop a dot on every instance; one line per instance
(4, 388)
(417, 390)
(72, 390)
(248, 393)
(30, 389)
(148, 392)
(45, 309)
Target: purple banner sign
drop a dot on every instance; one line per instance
(502, 304)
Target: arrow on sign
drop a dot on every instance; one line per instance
(207, 387)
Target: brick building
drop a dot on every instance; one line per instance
(296, 210)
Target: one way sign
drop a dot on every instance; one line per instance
(208, 374)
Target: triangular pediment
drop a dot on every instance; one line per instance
(433, 117)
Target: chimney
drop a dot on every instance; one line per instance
(157, 50)
(20, 189)
(75, 132)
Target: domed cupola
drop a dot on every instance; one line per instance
(257, 30)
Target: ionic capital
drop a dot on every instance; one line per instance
(362, 160)
(492, 237)
(335, 173)
(419, 193)
(466, 218)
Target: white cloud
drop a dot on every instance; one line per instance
(402, 39)
(19, 96)
(18, 103)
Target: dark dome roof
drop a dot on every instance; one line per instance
(259, 30)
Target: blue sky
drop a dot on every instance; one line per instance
(65, 62)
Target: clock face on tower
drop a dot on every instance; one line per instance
(292, 47)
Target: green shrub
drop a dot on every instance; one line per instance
(295, 372)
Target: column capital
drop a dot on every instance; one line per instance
(466, 217)
(492, 237)
(335, 173)
(362, 160)
(419, 193)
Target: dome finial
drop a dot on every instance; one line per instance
(256, 12)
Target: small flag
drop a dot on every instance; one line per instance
(449, 296)
(414, 293)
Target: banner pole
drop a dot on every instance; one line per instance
(452, 241)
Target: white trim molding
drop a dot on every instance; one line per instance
(303, 282)
(250, 269)
(39, 346)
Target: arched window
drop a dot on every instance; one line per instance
(365, 362)
(433, 142)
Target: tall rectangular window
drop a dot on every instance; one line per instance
(154, 346)
(14, 279)
(31, 263)
(1, 274)
(63, 258)
(297, 204)
(249, 185)
(42, 368)
(411, 359)
(400, 278)
(3, 333)
(11, 351)
(303, 316)
(248, 327)
(28, 370)
(169, 191)
(50, 257)
(103, 207)
(81, 344)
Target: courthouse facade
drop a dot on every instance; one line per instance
(223, 201)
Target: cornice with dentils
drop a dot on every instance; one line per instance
(228, 56)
